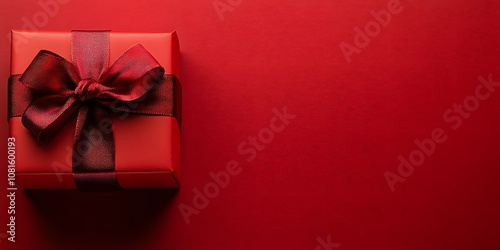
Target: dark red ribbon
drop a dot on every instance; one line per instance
(52, 90)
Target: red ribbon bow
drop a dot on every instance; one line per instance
(59, 89)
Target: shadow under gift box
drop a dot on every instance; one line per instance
(147, 148)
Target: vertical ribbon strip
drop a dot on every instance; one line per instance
(90, 54)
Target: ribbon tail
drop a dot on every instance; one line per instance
(94, 150)
(46, 115)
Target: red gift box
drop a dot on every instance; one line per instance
(147, 147)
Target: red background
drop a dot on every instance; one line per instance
(323, 175)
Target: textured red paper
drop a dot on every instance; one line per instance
(146, 147)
